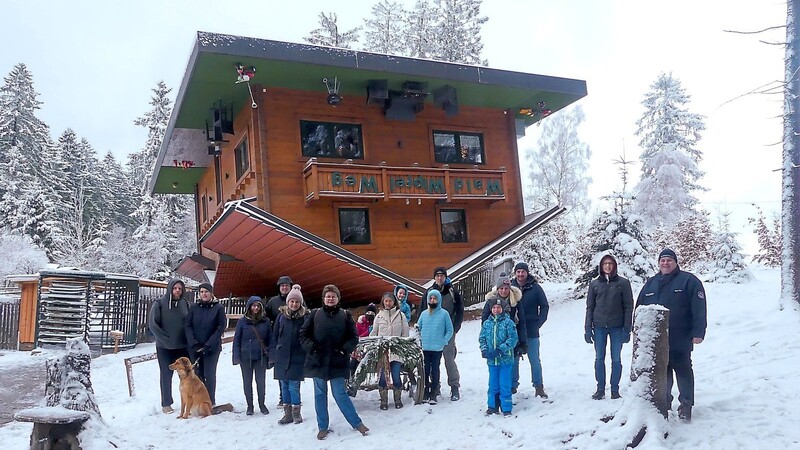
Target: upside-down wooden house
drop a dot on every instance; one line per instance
(339, 166)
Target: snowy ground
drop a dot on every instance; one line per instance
(746, 394)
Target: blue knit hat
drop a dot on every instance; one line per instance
(668, 253)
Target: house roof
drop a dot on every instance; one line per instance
(257, 247)
(211, 77)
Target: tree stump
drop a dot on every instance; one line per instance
(651, 355)
(54, 428)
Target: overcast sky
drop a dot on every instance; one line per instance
(95, 62)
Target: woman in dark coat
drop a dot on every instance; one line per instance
(251, 351)
(288, 355)
(329, 336)
(205, 324)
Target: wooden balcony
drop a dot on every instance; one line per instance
(359, 182)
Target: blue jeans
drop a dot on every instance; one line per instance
(536, 363)
(394, 366)
(601, 337)
(500, 384)
(342, 401)
(290, 391)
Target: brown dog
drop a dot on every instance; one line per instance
(194, 395)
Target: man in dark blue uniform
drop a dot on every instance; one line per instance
(683, 294)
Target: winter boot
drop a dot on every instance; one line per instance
(250, 411)
(384, 398)
(599, 395)
(615, 395)
(490, 411)
(296, 417)
(540, 391)
(322, 434)
(506, 413)
(362, 429)
(432, 399)
(287, 415)
(685, 412)
(398, 398)
(454, 394)
(263, 408)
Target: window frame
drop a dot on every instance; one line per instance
(368, 224)
(457, 143)
(241, 170)
(332, 129)
(441, 223)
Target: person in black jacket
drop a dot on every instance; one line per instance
(167, 322)
(251, 342)
(684, 295)
(510, 297)
(534, 304)
(272, 309)
(288, 355)
(329, 336)
(205, 324)
(454, 305)
(609, 308)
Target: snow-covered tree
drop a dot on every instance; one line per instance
(328, 33)
(458, 31)
(419, 37)
(559, 164)
(118, 193)
(727, 262)
(769, 239)
(20, 254)
(142, 163)
(385, 30)
(620, 233)
(670, 159)
(691, 239)
(550, 251)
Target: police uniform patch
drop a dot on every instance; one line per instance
(702, 295)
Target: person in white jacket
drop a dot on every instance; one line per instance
(390, 321)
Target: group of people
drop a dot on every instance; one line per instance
(300, 343)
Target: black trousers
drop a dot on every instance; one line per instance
(681, 363)
(254, 369)
(206, 369)
(432, 361)
(167, 356)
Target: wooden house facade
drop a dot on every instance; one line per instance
(345, 167)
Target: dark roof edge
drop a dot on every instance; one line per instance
(314, 240)
(480, 257)
(162, 151)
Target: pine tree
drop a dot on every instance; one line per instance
(142, 163)
(668, 135)
(559, 164)
(328, 33)
(620, 233)
(419, 35)
(118, 193)
(728, 263)
(550, 251)
(20, 254)
(384, 31)
(769, 239)
(691, 239)
(458, 31)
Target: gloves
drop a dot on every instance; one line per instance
(626, 337)
(523, 349)
(485, 353)
(589, 336)
(198, 348)
(492, 353)
(207, 349)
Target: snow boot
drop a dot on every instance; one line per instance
(362, 429)
(296, 417)
(615, 395)
(263, 408)
(287, 415)
(398, 398)
(490, 411)
(540, 391)
(685, 412)
(322, 434)
(454, 394)
(250, 411)
(384, 394)
(599, 395)
(506, 413)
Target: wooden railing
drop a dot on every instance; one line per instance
(355, 181)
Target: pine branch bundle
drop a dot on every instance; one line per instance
(375, 351)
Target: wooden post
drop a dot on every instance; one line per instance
(651, 355)
(116, 335)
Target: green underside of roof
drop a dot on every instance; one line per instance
(183, 180)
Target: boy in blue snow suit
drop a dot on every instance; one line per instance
(497, 341)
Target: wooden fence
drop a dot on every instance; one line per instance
(474, 287)
(9, 325)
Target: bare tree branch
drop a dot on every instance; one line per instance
(777, 27)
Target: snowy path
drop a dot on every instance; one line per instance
(746, 376)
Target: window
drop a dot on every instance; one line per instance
(218, 178)
(455, 147)
(354, 226)
(331, 140)
(242, 159)
(454, 225)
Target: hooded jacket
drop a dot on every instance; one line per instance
(534, 302)
(451, 302)
(253, 335)
(205, 324)
(405, 308)
(328, 336)
(167, 319)
(435, 326)
(499, 333)
(514, 310)
(390, 322)
(609, 303)
(288, 355)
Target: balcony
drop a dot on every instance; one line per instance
(359, 182)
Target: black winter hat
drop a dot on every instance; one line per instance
(668, 253)
(439, 270)
(205, 286)
(371, 309)
(523, 266)
(284, 280)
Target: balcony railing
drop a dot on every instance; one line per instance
(355, 181)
